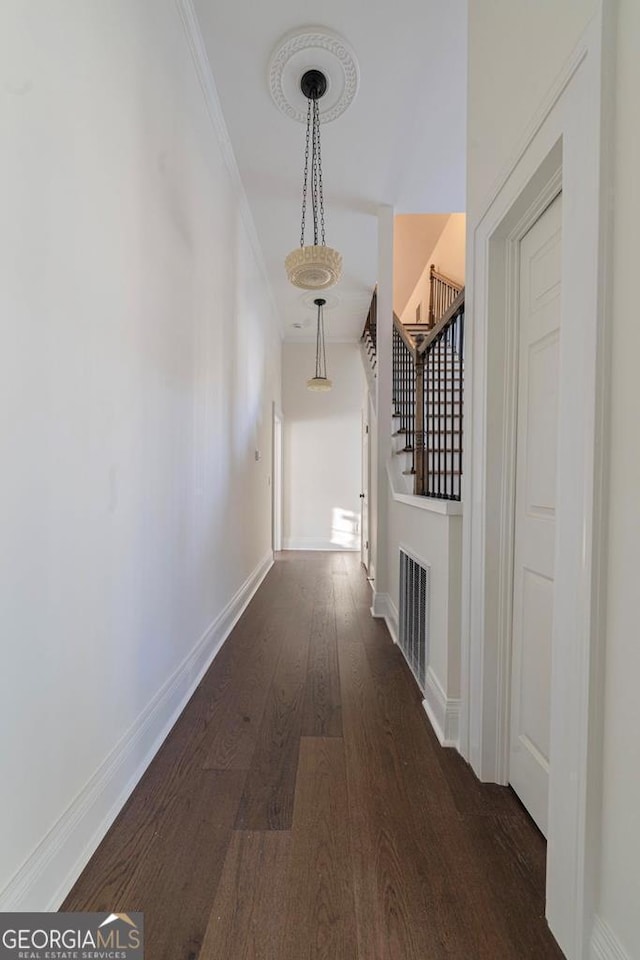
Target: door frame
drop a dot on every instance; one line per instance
(277, 474)
(566, 145)
(365, 446)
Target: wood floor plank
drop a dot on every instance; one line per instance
(267, 800)
(322, 714)
(176, 877)
(320, 922)
(232, 738)
(246, 918)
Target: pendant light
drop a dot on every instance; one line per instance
(317, 266)
(320, 381)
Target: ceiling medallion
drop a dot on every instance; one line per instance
(323, 50)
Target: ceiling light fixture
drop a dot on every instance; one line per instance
(317, 266)
(320, 381)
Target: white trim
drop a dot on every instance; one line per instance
(384, 608)
(48, 874)
(198, 50)
(443, 713)
(316, 543)
(447, 508)
(571, 116)
(604, 943)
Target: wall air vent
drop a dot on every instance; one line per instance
(413, 627)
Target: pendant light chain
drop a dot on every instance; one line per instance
(306, 174)
(321, 354)
(313, 265)
(318, 346)
(312, 146)
(320, 192)
(314, 172)
(324, 353)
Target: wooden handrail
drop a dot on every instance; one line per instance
(442, 276)
(444, 322)
(408, 341)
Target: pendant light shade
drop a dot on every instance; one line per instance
(320, 382)
(315, 266)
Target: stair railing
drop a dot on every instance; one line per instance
(405, 383)
(439, 406)
(428, 397)
(370, 333)
(442, 293)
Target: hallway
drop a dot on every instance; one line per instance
(302, 808)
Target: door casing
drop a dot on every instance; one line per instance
(567, 141)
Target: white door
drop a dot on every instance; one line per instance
(364, 496)
(533, 591)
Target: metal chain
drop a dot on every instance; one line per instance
(312, 143)
(314, 172)
(320, 191)
(306, 175)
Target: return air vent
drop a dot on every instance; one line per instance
(415, 601)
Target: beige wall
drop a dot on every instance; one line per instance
(526, 45)
(414, 237)
(448, 256)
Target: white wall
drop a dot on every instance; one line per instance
(516, 50)
(322, 448)
(620, 884)
(448, 257)
(138, 368)
(502, 102)
(435, 539)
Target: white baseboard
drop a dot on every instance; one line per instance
(312, 543)
(443, 713)
(49, 873)
(384, 608)
(604, 943)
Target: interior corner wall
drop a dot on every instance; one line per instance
(502, 102)
(436, 541)
(322, 449)
(448, 257)
(139, 364)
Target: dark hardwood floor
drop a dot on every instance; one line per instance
(302, 808)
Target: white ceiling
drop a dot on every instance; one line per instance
(401, 142)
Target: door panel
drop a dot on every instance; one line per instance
(535, 507)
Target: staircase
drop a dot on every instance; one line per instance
(428, 393)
